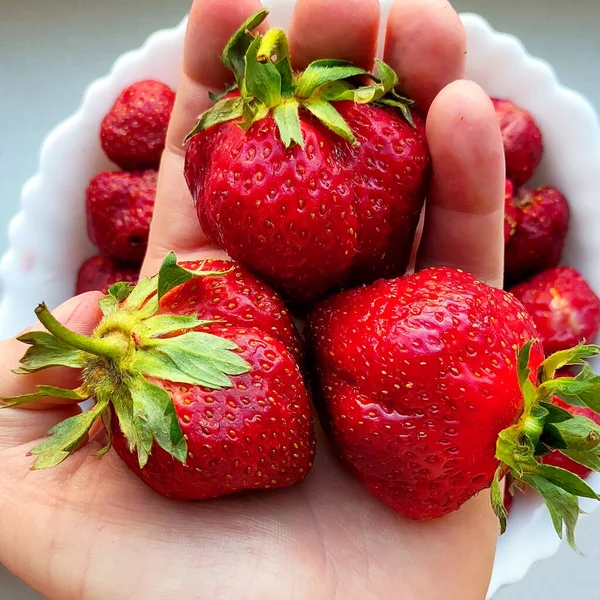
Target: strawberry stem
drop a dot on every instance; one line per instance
(99, 347)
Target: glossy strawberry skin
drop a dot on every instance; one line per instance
(134, 130)
(565, 309)
(556, 459)
(511, 213)
(237, 298)
(119, 209)
(99, 273)
(309, 220)
(256, 435)
(418, 377)
(523, 144)
(539, 239)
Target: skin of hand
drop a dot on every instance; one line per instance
(89, 530)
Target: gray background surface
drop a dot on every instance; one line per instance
(51, 50)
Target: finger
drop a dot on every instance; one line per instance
(322, 29)
(464, 217)
(175, 224)
(426, 45)
(80, 314)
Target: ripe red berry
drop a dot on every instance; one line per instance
(410, 372)
(134, 130)
(191, 375)
(314, 192)
(538, 241)
(523, 147)
(434, 387)
(119, 210)
(566, 311)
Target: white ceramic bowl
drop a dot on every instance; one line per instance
(48, 240)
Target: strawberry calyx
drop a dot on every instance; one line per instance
(544, 428)
(131, 349)
(265, 83)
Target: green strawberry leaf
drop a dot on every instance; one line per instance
(47, 351)
(117, 292)
(197, 358)
(274, 47)
(320, 73)
(551, 438)
(287, 117)
(331, 118)
(140, 293)
(123, 407)
(574, 356)
(402, 106)
(555, 414)
(44, 391)
(579, 434)
(262, 79)
(583, 390)
(237, 47)
(107, 422)
(154, 363)
(563, 506)
(160, 325)
(498, 500)
(227, 109)
(66, 437)
(155, 419)
(591, 460)
(566, 480)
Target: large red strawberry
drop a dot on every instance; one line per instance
(539, 238)
(99, 273)
(312, 180)
(119, 210)
(133, 131)
(566, 311)
(423, 380)
(523, 145)
(198, 401)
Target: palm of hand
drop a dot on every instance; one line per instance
(101, 533)
(90, 530)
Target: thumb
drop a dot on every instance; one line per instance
(19, 425)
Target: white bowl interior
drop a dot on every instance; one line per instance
(48, 240)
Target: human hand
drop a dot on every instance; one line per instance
(89, 529)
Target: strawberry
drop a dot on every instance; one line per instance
(198, 401)
(99, 273)
(119, 210)
(523, 145)
(312, 180)
(538, 241)
(566, 311)
(423, 380)
(134, 130)
(511, 213)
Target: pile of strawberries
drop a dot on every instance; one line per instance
(119, 204)
(431, 386)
